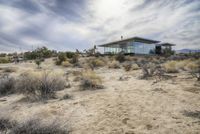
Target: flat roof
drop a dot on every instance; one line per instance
(165, 44)
(136, 39)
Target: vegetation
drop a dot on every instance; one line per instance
(7, 85)
(9, 69)
(5, 60)
(6, 125)
(168, 52)
(120, 57)
(96, 62)
(30, 127)
(74, 59)
(66, 63)
(40, 86)
(90, 81)
(127, 67)
(114, 64)
(170, 67)
(195, 69)
(38, 62)
(42, 52)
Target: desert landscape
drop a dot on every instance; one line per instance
(109, 94)
(99, 67)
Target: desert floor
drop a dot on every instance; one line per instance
(132, 106)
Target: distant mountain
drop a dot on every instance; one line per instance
(188, 51)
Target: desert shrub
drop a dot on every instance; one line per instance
(74, 59)
(6, 125)
(7, 85)
(120, 57)
(114, 64)
(38, 62)
(4, 60)
(182, 64)
(93, 63)
(170, 67)
(152, 70)
(168, 52)
(67, 96)
(135, 67)
(35, 127)
(41, 85)
(41, 52)
(148, 70)
(90, 81)
(70, 54)
(61, 57)
(194, 69)
(66, 64)
(9, 69)
(127, 67)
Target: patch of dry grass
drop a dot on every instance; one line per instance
(96, 62)
(7, 85)
(40, 85)
(9, 69)
(114, 64)
(90, 81)
(66, 64)
(170, 67)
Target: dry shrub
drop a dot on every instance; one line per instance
(40, 85)
(120, 57)
(114, 64)
(67, 96)
(6, 125)
(7, 85)
(170, 67)
(9, 69)
(130, 66)
(4, 60)
(96, 62)
(135, 67)
(35, 127)
(90, 81)
(194, 69)
(66, 64)
(127, 67)
(148, 70)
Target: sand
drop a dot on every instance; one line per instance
(132, 106)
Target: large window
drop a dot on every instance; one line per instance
(143, 48)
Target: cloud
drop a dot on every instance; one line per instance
(67, 25)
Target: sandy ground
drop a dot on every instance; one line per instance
(133, 106)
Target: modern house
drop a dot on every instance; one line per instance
(136, 45)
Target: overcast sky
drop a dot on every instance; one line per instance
(70, 24)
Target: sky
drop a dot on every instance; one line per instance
(67, 25)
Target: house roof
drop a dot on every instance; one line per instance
(165, 44)
(136, 39)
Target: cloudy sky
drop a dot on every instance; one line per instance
(70, 24)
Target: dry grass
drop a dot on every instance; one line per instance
(35, 127)
(96, 62)
(114, 64)
(90, 81)
(135, 67)
(170, 67)
(40, 85)
(66, 64)
(127, 67)
(7, 85)
(9, 69)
